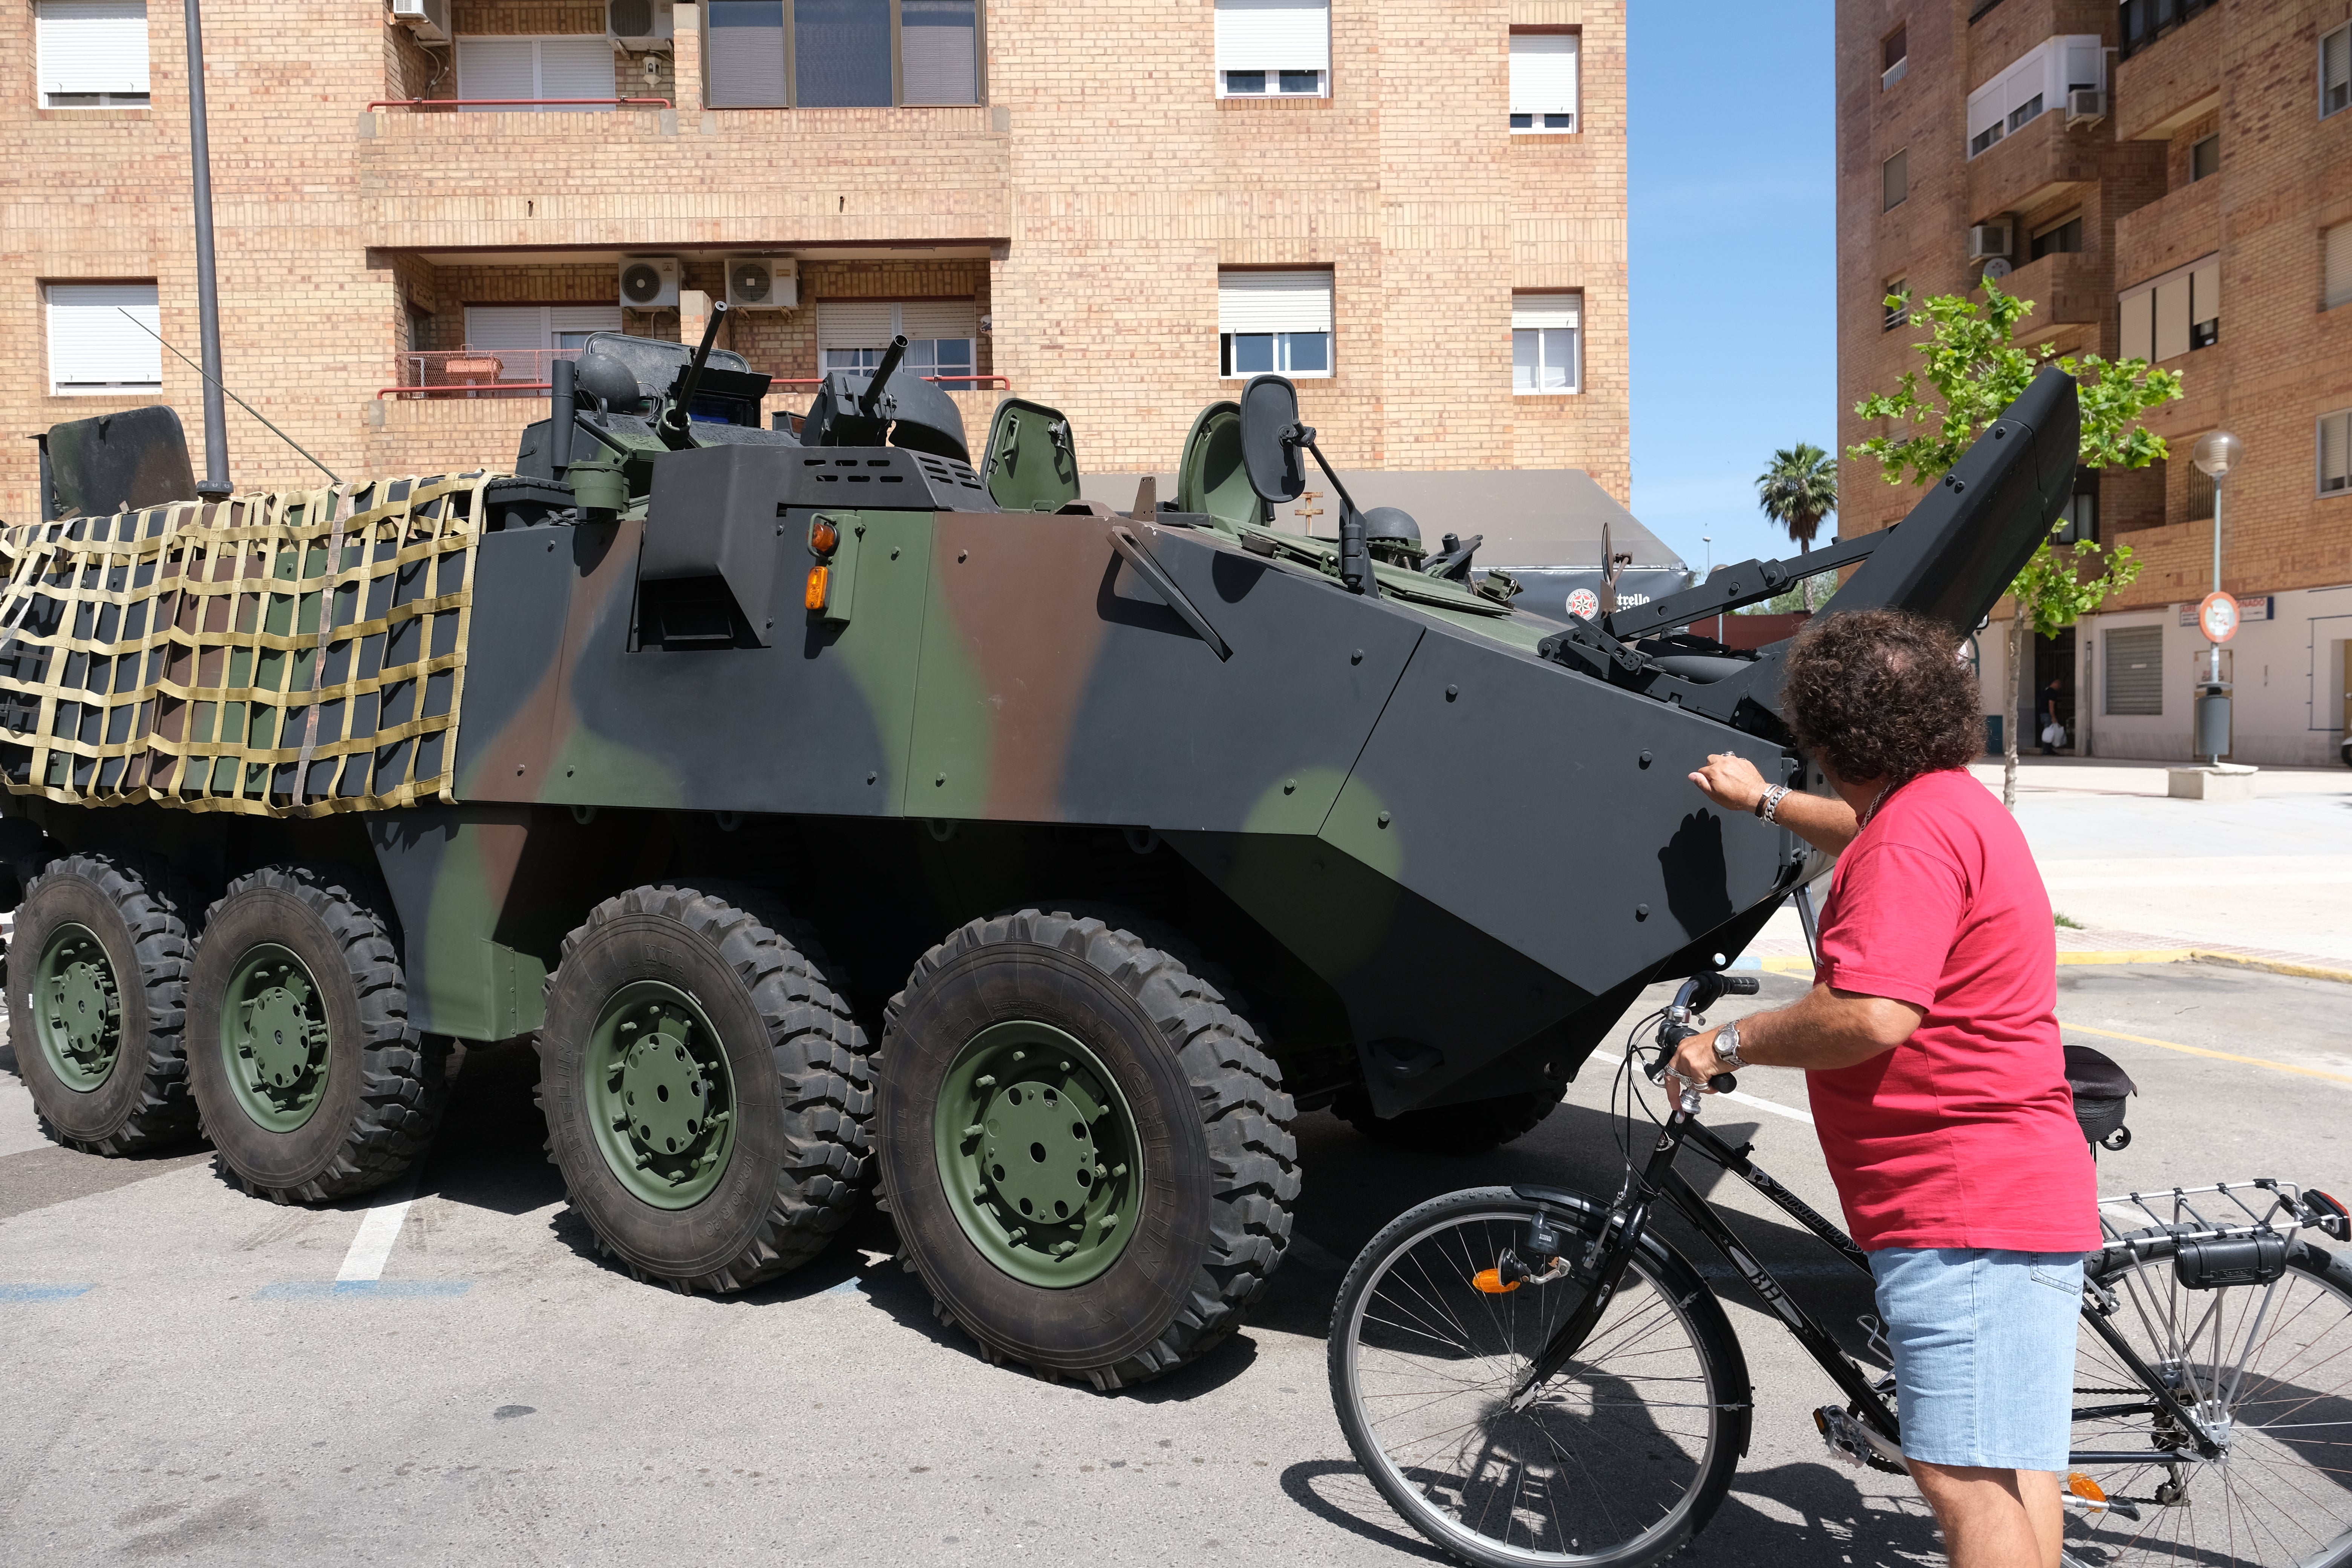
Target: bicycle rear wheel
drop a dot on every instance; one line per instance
(1621, 1458)
(2270, 1366)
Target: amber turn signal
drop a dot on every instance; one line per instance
(1490, 1280)
(820, 580)
(823, 539)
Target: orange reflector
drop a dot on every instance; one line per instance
(1490, 1280)
(2083, 1487)
(824, 538)
(820, 580)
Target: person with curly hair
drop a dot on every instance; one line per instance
(1930, 1046)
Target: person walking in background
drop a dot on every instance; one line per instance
(1930, 1045)
(2050, 721)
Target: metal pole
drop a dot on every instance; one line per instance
(214, 485)
(2214, 670)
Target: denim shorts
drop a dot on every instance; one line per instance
(1984, 1352)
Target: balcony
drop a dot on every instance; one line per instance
(2170, 79)
(2032, 165)
(2069, 291)
(2170, 231)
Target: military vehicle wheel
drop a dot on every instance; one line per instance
(98, 975)
(1088, 1155)
(1471, 1128)
(705, 1085)
(312, 1084)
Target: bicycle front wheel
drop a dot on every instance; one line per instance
(1618, 1460)
(2267, 1370)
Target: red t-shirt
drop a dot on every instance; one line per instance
(1964, 1135)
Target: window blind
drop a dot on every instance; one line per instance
(925, 319)
(2136, 671)
(1273, 301)
(2338, 285)
(2334, 71)
(854, 324)
(583, 318)
(2336, 452)
(1543, 73)
(536, 67)
(92, 46)
(496, 67)
(745, 65)
(576, 68)
(2157, 316)
(937, 51)
(2036, 83)
(1273, 35)
(92, 346)
(1547, 310)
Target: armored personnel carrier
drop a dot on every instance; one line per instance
(841, 816)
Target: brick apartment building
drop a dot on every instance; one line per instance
(1115, 208)
(2168, 179)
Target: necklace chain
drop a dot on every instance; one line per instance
(1875, 804)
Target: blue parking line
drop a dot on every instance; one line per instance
(316, 1290)
(41, 1292)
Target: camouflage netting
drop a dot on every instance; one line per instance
(176, 654)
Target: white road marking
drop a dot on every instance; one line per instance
(378, 1228)
(1791, 1112)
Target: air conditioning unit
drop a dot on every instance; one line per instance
(2086, 106)
(638, 25)
(649, 282)
(1986, 240)
(428, 19)
(1998, 268)
(762, 283)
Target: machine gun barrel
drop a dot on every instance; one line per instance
(682, 400)
(870, 401)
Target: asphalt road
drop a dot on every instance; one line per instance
(180, 1380)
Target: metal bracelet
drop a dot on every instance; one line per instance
(1769, 805)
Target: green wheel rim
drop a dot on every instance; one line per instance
(1038, 1153)
(660, 1095)
(274, 1037)
(77, 1009)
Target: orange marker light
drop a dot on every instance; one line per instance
(1490, 1280)
(820, 580)
(824, 538)
(2083, 1487)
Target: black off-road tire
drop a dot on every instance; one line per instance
(385, 1086)
(1206, 1099)
(799, 1061)
(1471, 1128)
(139, 912)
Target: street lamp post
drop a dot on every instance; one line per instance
(2216, 453)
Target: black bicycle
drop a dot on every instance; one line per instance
(1530, 1374)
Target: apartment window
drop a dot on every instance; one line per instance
(853, 334)
(1543, 83)
(2142, 22)
(2057, 237)
(1546, 343)
(524, 338)
(1893, 57)
(2205, 157)
(92, 53)
(2038, 81)
(2173, 314)
(2135, 682)
(95, 349)
(838, 54)
(1277, 321)
(2336, 452)
(1897, 305)
(2336, 282)
(1894, 181)
(1274, 48)
(2201, 495)
(2335, 70)
(2079, 524)
(519, 67)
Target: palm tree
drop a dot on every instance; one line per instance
(1797, 490)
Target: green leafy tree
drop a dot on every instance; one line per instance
(1797, 490)
(1974, 370)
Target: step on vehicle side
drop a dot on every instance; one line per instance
(842, 818)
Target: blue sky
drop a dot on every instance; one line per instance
(1733, 260)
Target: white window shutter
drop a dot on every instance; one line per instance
(496, 67)
(2087, 62)
(745, 65)
(1543, 73)
(2137, 334)
(583, 319)
(2334, 70)
(575, 67)
(939, 51)
(1273, 35)
(1985, 108)
(2171, 318)
(92, 344)
(1547, 310)
(2205, 292)
(855, 323)
(922, 319)
(506, 329)
(1273, 301)
(91, 46)
(2339, 265)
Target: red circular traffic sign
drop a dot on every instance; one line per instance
(2217, 616)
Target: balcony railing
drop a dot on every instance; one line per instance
(508, 103)
(2141, 23)
(524, 373)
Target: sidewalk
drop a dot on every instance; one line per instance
(2266, 882)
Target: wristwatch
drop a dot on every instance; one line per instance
(1726, 1046)
(1769, 803)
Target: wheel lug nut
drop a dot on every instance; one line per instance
(984, 1081)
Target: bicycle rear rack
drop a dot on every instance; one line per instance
(2278, 1208)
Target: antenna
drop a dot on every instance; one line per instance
(241, 403)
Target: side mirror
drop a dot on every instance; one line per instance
(1269, 444)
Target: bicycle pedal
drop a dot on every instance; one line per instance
(1857, 1442)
